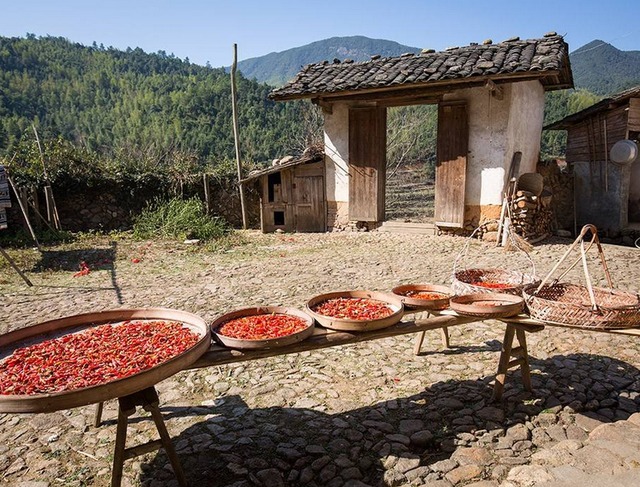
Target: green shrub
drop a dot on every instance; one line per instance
(178, 218)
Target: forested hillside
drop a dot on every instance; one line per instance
(277, 68)
(111, 102)
(603, 69)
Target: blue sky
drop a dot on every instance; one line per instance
(205, 31)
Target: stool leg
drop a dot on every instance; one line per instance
(445, 337)
(418, 343)
(119, 452)
(97, 415)
(503, 364)
(524, 367)
(166, 443)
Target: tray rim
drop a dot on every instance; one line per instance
(56, 401)
(432, 304)
(347, 324)
(267, 343)
(515, 306)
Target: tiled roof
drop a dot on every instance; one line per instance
(513, 57)
(604, 104)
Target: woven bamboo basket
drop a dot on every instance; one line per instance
(462, 279)
(574, 305)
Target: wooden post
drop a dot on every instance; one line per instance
(52, 210)
(24, 211)
(235, 133)
(15, 267)
(35, 204)
(207, 196)
(24, 202)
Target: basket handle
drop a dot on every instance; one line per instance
(465, 249)
(582, 257)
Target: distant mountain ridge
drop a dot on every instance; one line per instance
(277, 68)
(604, 69)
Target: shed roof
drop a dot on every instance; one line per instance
(546, 59)
(605, 104)
(306, 157)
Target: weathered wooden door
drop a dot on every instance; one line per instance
(451, 165)
(367, 163)
(308, 198)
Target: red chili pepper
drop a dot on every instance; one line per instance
(135, 260)
(424, 295)
(95, 356)
(262, 327)
(353, 308)
(84, 270)
(491, 284)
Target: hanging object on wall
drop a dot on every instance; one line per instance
(624, 152)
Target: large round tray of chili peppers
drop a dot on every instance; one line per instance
(262, 328)
(424, 296)
(94, 357)
(488, 305)
(356, 310)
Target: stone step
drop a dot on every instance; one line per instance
(408, 227)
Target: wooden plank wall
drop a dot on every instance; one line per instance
(586, 141)
(634, 114)
(451, 165)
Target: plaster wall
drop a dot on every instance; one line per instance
(336, 160)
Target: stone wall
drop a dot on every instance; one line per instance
(112, 205)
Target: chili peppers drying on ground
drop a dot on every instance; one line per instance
(426, 295)
(84, 270)
(262, 327)
(353, 308)
(491, 284)
(93, 357)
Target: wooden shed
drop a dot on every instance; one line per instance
(490, 101)
(292, 195)
(606, 194)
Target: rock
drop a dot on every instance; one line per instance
(270, 477)
(483, 483)
(587, 422)
(306, 476)
(448, 403)
(410, 426)
(421, 438)
(33, 483)
(464, 473)
(393, 478)
(529, 475)
(290, 454)
(402, 439)
(417, 473)
(316, 449)
(351, 473)
(406, 462)
(472, 456)
(444, 466)
(491, 413)
(327, 473)
(320, 463)
(519, 432)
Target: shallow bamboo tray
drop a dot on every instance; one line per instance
(343, 324)
(266, 343)
(46, 403)
(468, 305)
(430, 304)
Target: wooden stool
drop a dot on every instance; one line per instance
(519, 354)
(148, 399)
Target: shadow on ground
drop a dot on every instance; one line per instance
(390, 442)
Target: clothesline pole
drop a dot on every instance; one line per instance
(15, 267)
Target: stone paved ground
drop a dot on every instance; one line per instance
(367, 414)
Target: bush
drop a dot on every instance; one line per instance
(178, 218)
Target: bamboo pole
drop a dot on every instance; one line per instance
(235, 133)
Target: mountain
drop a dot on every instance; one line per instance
(110, 101)
(277, 68)
(603, 69)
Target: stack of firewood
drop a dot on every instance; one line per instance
(531, 214)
